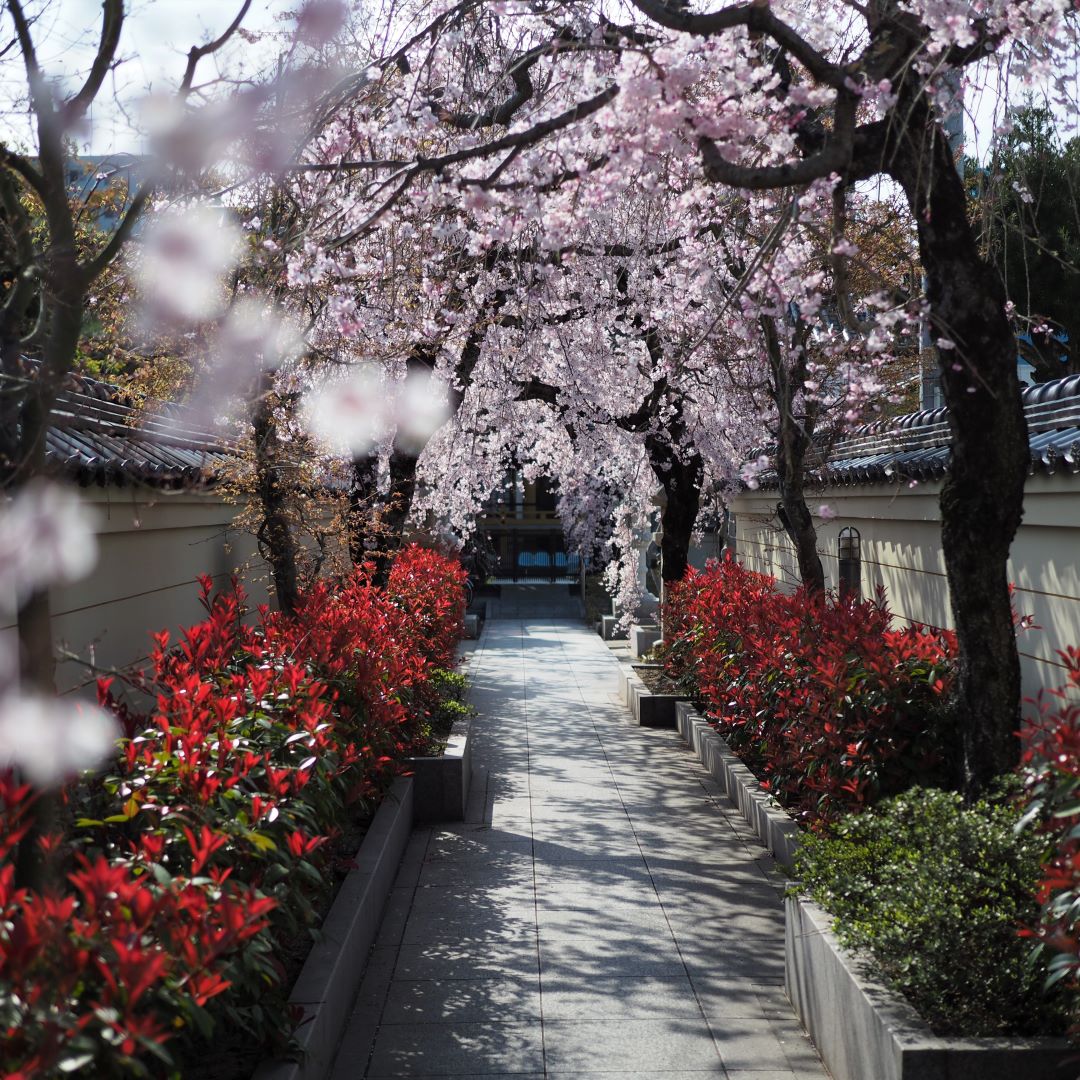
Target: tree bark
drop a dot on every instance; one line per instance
(276, 538)
(792, 447)
(360, 516)
(395, 509)
(681, 479)
(794, 440)
(982, 498)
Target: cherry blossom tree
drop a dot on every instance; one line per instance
(519, 109)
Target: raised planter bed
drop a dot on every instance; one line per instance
(648, 709)
(863, 1030)
(774, 826)
(330, 977)
(441, 790)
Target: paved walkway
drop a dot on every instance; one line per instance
(601, 913)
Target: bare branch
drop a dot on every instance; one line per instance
(198, 52)
(112, 19)
(122, 233)
(26, 43)
(26, 281)
(18, 164)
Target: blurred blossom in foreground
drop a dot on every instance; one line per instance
(255, 336)
(252, 338)
(319, 21)
(354, 414)
(47, 537)
(51, 741)
(184, 255)
(421, 409)
(751, 470)
(826, 512)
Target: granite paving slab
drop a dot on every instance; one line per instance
(601, 912)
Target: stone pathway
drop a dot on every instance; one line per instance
(603, 911)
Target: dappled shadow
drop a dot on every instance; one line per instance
(598, 909)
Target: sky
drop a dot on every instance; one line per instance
(158, 33)
(156, 37)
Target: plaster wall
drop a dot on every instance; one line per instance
(152, 547)
(901, 551)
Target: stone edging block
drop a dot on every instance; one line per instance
(862, 1029)
(441, 790)
(648, 709)
(774, 826)
(643, 638)
(329, 980)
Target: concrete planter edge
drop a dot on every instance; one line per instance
(328, 982)
(441, 790)
(862, 1029)
(647, 708)
(775, 827)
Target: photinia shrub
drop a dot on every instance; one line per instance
(189, 865)
(833, 706)
(1050, 767)
(935, 889)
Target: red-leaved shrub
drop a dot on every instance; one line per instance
(1050, 768)
(833, 706)
(191, 862)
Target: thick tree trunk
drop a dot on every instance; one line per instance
(681, 480)
(361, 514)
(395, 510)
(794, 440)
(799, 525)
(792, 448)
(982, 499)
(275, 535)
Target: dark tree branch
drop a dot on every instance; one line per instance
(112, 19)
(122, 233)
(498, 115)
(858, 156)
(18, 164)
(756, 17)
(199, 52)
(527, 137)
(26, 46)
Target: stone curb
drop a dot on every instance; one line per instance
(643, 638)
(774, 826)
(441, 784)
(648, 709)
(329, 980)
(862, 1029)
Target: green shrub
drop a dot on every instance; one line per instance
(937, 892)
(448, 689)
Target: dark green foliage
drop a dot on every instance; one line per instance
(937, 892)
(450, 688)
(1030, 202)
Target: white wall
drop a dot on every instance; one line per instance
(901, 550)
(152, 548)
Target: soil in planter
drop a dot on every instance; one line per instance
(233, 1055)
(655, 679)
